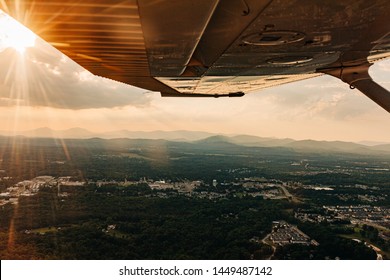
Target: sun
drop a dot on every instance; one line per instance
(14, 35)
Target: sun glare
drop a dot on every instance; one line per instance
(14, 35)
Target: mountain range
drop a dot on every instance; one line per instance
(81, 133)
(202, 137)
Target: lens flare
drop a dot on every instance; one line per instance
(14, 35)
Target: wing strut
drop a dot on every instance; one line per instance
(358, 77)
(231, 94)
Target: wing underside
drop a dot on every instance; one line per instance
(211, 47)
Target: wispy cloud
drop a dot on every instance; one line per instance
(45, 77)
(383, 65)
(323, 98)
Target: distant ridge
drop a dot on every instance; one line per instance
(212, 140)
(249, 140)
(81, 133)
(176, 135)
(311, 146)
(325, 146)
(45, 132)
(372, 143)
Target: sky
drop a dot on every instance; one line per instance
(41, 87)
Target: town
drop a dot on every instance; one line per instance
(254, 187)
(282, 232)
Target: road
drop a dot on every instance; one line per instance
(264, 240)
(289, 195)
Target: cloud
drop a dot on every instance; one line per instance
(43, 77)
(383, 65)
(380, 72)
(319, 98)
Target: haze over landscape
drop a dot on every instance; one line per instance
(365, 147)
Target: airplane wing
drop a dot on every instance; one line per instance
(216, 47)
